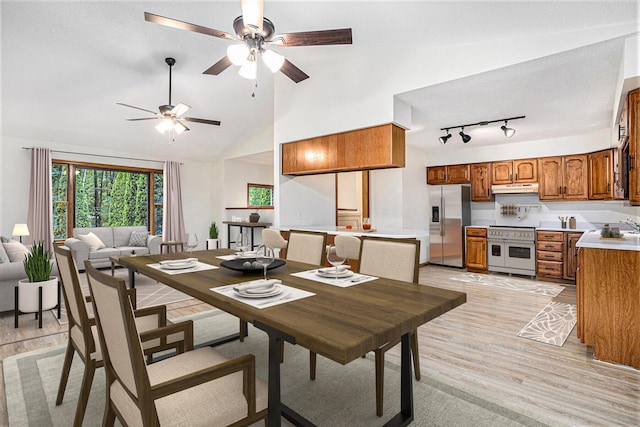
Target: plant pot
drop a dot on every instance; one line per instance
(28, 295)
(213, 244)
(254, 217)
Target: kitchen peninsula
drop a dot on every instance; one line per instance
(608, 297)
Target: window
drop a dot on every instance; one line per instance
(91, 195)
(259, 195)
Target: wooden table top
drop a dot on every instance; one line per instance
(341, 324)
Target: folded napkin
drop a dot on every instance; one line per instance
(247, 254)
(341, 269)
(256, 284)
(178, 261)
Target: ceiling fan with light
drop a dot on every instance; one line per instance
(254, 31)
(170, 115)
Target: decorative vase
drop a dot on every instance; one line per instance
(254, 217)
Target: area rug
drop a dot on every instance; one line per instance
(148, 292)
(552, 325)
(340, 396)
(512, 283)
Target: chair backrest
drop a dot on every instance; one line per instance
(273, 239)
(306, 246)
(121, 348)
(79, 325)
(396, 259)
(347, 246)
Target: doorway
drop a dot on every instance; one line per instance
(352, 198)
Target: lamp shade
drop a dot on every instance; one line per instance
(238, 53)
(20, 230)
(164, 125)
(465, 138)
(273, 60)
(508, 132)
(249, 70)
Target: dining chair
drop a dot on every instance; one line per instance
(83, 338)
(273, 239)
(306, 246)
(397, 259)
(347, 246)
(195, 388)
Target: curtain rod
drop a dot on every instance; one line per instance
(102, 155)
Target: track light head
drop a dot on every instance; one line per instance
(465, 138)
(445, 138)
(508, 132)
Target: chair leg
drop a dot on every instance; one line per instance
(243, 330)
(281, 351)
(416, 354)
(379, 356)
(109, 417)
(66, 368)
(85, 389)
(313, 357)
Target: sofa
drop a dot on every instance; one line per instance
(116, 241)
(10, 274)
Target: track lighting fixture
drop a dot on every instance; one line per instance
(508, 132)
(443, 139)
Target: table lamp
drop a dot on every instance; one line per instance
(20, 230)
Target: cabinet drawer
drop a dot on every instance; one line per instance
(549, 256)
(477, 232)
(550, 236)
(549, 246)
(550, 268)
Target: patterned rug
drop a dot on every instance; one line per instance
(508, 282)
(148, 292)
(552, 325)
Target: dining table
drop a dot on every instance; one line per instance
(340, 323)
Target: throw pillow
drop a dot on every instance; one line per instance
(4, 239)
(4, 258)
(92, 241)
(16, 251)
(138, 238)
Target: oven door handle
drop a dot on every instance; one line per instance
(520, 242)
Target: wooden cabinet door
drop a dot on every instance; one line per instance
(477, 253)
(436, 174)
(575, 177)
(571, 256)
(601, 175)
(633, 103)
(550, 173)
(501, 173)
(525, 170)
(458, 174)
(481, 182)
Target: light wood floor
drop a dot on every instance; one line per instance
(474, 347)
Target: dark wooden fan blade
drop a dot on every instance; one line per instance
(313, 38)
(293, 72)
(174, 23)
(219, 66)
(144, 118)
(204, 121)
(137, 108)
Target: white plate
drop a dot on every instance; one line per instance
(178, 266)
(277, 289)
(328, 273)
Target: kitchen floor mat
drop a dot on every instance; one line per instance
(508, 282)
(552, 325)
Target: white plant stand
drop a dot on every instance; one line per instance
(213, 244)
(36, 297)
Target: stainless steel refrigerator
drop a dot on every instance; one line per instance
(450, 213)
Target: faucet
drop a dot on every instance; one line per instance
(631, 223)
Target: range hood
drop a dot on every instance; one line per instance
(515, 188)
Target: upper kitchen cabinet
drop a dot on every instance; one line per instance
(378, 147)
(516, 171)
(601, 175)
(481, 182)
(563, 178)
(450, 174)
(633, 101)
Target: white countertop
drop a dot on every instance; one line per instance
(577, 230)
(591, 239)
(332, 229)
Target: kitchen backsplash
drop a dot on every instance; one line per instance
(534, 213)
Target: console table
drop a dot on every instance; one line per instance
(242, 225)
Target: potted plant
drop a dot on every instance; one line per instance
(37, 266)
(213, 242)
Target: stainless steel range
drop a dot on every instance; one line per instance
(512, 249)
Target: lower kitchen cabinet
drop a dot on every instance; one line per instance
(556, 255)
(571, 255)
(476, 249)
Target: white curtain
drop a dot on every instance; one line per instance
(172, 218)
(40, 214)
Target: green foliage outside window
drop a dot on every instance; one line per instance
(260, 195)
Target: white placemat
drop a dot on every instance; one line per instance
(200, 266)
(288, 294)
(342, 282)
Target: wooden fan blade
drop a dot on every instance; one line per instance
(204, 121)
(180, 109)
(137, 108)
(174, 23)
(293, 72)
(144, 118)
(313, 38)
(219, 66)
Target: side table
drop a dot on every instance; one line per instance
(250, 225)
(171, 244)
(36, 297)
